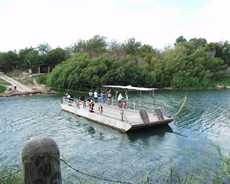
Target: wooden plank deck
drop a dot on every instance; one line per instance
(111, 116)
(115, 123)
(132, 116)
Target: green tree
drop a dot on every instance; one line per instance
(180, 40)
(8, 60)
(94, 46)
(43, 48)
(29, 58)
(56, 56)
(131, 46)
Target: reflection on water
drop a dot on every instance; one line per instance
(187, 144)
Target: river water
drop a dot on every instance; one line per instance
(189, 145)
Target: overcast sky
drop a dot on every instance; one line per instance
(25, 23)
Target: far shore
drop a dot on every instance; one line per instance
(24, 84)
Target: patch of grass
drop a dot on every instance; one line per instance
(42, 79)
(11, 177)
(2, 88)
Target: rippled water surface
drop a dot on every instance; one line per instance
(189, 144)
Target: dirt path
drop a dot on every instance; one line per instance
(19, 86)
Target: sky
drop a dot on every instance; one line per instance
(25, 23)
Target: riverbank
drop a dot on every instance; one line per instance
(33, 84)
(3, 86)
(19, 83)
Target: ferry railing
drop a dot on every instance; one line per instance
(149, 107)
(152, 108)
(68, 101)
(74, 102)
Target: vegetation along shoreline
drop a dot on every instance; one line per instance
(88, 64)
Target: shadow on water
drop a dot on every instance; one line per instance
(148, 132)
(91, 130)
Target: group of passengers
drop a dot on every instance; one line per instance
(68, 97)
(95, 97)
(102, 97)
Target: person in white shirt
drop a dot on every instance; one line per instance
(119, 99)
(95, 95)
(90, 94)
(109, 95)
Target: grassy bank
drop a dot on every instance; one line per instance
(11, 177)
(173, 176)
(222, 83)
(2, 88)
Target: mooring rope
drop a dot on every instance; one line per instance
(12, 174)
(93, 176)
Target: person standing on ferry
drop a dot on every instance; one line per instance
(109, 95)
(95, 95)
(90, 94)
(104, 97)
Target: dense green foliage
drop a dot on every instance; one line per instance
(41, 79)
(30, 58)
(193, 63)
(83, 72)
(188, 64)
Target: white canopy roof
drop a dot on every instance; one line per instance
(129, 87)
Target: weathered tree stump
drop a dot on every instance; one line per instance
(41, 164)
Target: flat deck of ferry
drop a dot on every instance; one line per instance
(111, 116)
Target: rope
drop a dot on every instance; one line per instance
(181, 107)
(76, 170)
(94, 176)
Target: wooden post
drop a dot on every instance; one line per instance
(41, 164)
